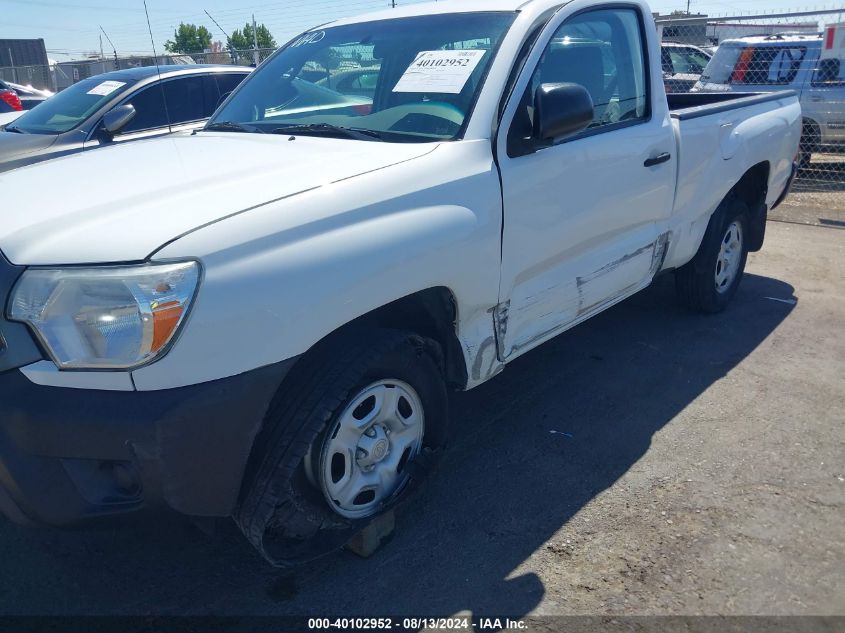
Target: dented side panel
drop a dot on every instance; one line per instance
(594, 292)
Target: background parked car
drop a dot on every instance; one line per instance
(9, 101)
(682, 65)
(116, 107)
(787, 62)
(29, 96)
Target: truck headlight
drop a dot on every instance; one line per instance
(106, 317)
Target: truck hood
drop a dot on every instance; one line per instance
(122, 203)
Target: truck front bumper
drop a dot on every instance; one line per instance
(71, 455)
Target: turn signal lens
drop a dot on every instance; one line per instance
(166, 317)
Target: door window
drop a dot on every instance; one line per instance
(687, 61)
(149, 110)
(226, 83)
(185, 99)
(829, 72)
(603, 51)
(754, 65)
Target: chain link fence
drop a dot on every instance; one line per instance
(800, 51)
(61, 75)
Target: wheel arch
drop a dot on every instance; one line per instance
(752, 189)
(431, 313)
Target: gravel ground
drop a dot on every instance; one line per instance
(818, 194)
(650, 461)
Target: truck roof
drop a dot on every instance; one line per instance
(445, 6)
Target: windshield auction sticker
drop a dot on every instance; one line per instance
(439, 71)
(106, 88)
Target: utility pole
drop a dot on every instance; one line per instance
(392, 4)
(102, 57)
(12, 63)
(255, 56)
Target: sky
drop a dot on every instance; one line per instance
(71, 29)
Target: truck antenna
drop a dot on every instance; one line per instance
(158, 69)
(114, 50)
(228, 39)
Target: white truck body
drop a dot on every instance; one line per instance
(322, 219)
(296, 236)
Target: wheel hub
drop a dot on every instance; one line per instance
(730, 257)
(373, 447)
(361, 462)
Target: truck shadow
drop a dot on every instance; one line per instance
(529, 450)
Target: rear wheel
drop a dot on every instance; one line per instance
(352, 430)
(710, 280)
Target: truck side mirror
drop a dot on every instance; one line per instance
(116, 119)
(561, 110)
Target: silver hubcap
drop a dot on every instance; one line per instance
(730, 257)
(362, 461)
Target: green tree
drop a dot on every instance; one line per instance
(189, 38)
(243, 39)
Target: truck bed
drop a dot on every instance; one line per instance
(690, 105)
(720, 136)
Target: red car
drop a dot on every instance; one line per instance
(10, 101)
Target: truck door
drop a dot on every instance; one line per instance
(583, 218)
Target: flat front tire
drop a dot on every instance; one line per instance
(355, 426)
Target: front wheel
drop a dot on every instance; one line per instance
(354, 427)
(710, 280)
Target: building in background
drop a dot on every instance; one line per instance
(24, 62)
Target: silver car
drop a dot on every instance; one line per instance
(787, 62)
(117, 107)
(682, 65)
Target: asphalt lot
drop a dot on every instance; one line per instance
(650, 461)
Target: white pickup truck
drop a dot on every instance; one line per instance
(261, 320)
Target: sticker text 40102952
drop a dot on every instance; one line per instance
(439, 71)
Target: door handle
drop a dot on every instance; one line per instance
(660, 158)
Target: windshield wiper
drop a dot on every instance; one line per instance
(231, 126)
(16, 130)
(327, 129)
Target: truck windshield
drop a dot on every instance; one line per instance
(69, 108)
(407, 79)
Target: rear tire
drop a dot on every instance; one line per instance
(709, 281)
(288, 510)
